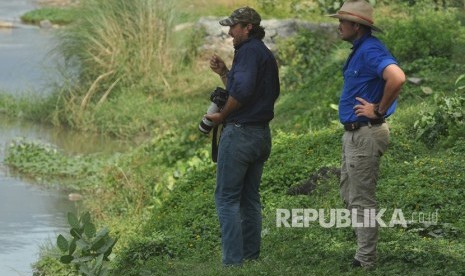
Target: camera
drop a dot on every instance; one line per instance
(218, 99)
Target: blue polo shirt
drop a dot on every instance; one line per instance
(253, 81)
(363, 77)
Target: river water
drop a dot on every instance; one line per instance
(27, 62)
(31, 216)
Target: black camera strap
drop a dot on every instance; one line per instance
(215, 142)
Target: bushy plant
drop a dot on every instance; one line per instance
(426, 33)
(311, 73)
(293, 8)
(302, 57)
(88, 250)
(446, 121)
(302, 8)
(435, 4)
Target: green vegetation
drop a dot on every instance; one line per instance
(61, 16)
(87, 250)
(140, 80)
(46, 163)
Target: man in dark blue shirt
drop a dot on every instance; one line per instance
(372, 82)
(245, 143)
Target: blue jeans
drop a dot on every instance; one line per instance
(242, 153)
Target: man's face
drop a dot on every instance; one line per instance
(239, 33)
(347, 30)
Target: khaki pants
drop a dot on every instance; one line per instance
(361, 153)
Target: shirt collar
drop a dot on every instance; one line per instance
(356, 44)
(242, 43)
(359, 41)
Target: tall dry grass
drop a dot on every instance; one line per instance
(119, 43)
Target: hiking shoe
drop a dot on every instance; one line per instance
(356, 263)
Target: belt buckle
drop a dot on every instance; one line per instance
(352, 126)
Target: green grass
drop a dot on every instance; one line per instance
(60, 16)
(158, 198)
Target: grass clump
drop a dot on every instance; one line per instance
(60, 16)
(115, 47)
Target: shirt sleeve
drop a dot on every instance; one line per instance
(244, 76)
(379, 58)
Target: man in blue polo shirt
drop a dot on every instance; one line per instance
(245, 143)
(372, 82)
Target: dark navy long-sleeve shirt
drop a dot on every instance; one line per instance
(254, 82)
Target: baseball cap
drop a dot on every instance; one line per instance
(242, 15)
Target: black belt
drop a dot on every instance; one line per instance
(356, 125)
(252, 124)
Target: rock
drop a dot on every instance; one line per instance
(46, 24)
(74, 197)
(309, 185)
(414, 80)
(218, 39)
(427, 90)
(6, 24)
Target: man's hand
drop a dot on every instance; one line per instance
(216, 118)
(217, 65)
(219, 117)
(365, 109)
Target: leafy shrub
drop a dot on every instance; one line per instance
(285, 9)
(436, 4)
(446, 121)
(311, 71)
(88, 250)
(300, 8)
(302, 57)
(426, 33)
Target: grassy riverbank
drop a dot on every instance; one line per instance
(158, 197)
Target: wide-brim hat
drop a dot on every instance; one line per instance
(358, 11)
(242, 15)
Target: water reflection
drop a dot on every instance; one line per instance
(71, 142)
(29, 217)
(28, 63)
(11, 10)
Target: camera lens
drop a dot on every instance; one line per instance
(205, 125)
